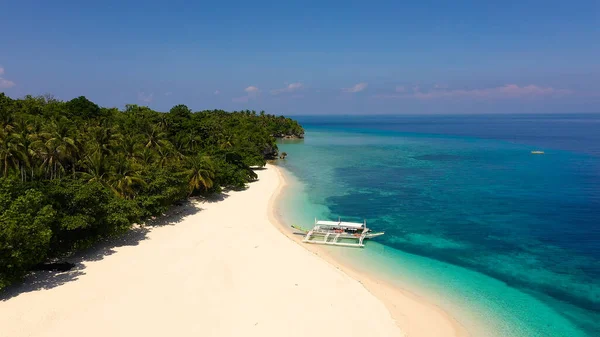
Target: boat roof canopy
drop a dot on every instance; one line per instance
(340, 224)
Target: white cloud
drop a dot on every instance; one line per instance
(356, 88)
(168, 93)
(217, 92)
(289, 88)
(145, 97)
(251, 92)
(5, 84)
(400, 88)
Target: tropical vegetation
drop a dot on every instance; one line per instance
(73, 173)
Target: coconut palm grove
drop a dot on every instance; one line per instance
(74, 173)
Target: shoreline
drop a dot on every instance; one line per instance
(414, 315)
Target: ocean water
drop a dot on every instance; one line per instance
(506, 241)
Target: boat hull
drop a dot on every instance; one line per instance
(321, 237)
(349, 236)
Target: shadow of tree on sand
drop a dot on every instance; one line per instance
(212, 198)
(41, 280)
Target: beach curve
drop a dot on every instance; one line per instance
(216, 269)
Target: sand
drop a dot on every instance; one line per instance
(220, 268)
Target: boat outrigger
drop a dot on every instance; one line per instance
(335, 232)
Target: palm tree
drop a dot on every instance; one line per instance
(164, 121)
(188, 143)
(200, 172)
(125, 178)
(95, 168)
(29, 158)
(156, 138)
(51, 155)
(11, 152)
(7, 120)
(146, 157)
(131, 146)
(226, 142)
(60, 138)
(167, 154)
(105, 139)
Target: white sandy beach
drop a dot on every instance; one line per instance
(217, 269)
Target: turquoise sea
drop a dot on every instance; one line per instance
(506, 241)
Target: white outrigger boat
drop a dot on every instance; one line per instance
(335, 232)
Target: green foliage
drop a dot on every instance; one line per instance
(25, 232)
(81, 107)
(200, 173)
(86, 212)
(281, 126)
(73, 173)
(165, 187)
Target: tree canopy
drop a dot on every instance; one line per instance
(72, 173)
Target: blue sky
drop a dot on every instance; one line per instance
(308, 57)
